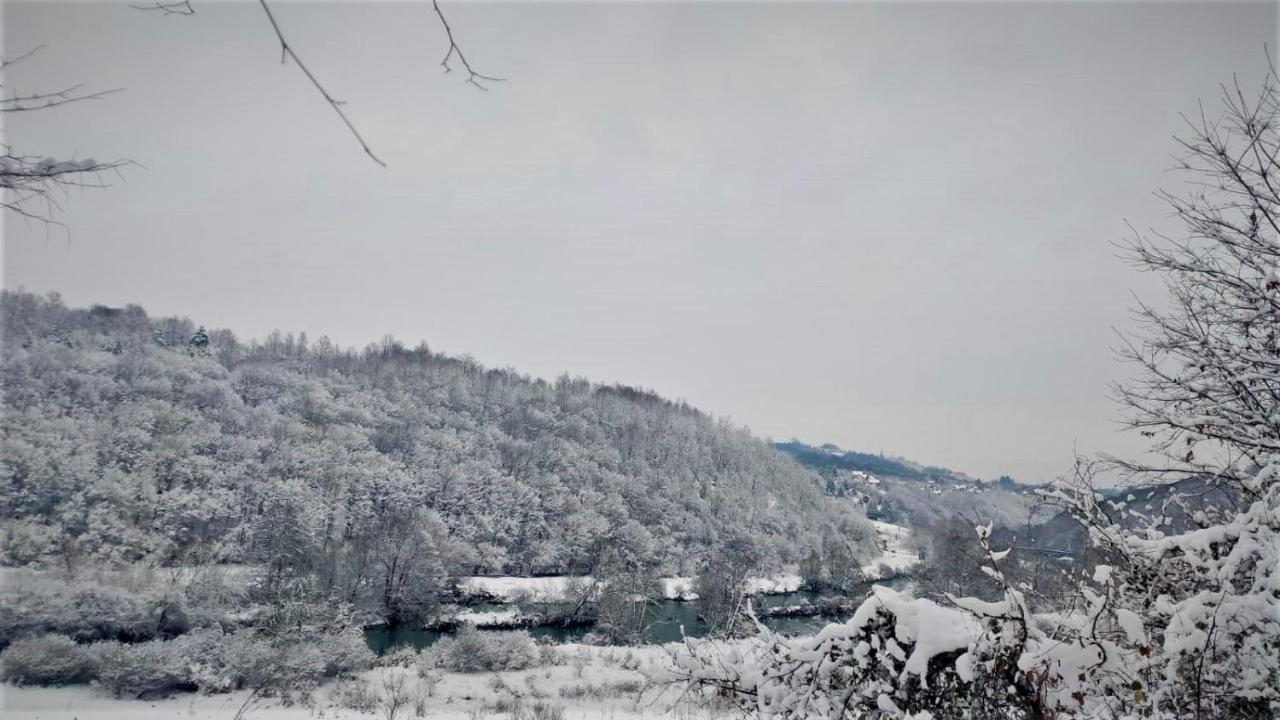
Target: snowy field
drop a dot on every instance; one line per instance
(897, 554)
(589, 683)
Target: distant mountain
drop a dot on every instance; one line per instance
(898, 490)
(832, 457)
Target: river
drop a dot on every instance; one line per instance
(663, 624)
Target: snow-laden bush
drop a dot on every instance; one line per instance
(900, 656)
(355, 694)
(896, 656)
(470, 650)
(45, 660)
(147, 669)
(344, 651)
(292, 663)
(402, 657)
(209, 661)
(86, 610)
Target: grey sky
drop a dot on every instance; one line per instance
(885, 226)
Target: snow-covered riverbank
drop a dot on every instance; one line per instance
(896, 557)
(586, 683)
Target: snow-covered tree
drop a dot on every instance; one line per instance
(1181, 618)
(1199, 580)
(363, 476)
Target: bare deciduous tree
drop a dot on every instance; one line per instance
(31, 184)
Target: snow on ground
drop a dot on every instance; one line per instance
(556, 588)
(678, 588)
(589, 683)
(596, 683)
(535, 589)
(897, 554)
(490, 618)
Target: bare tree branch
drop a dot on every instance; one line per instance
(473, 77)
(44, 101)
(287, 51)
(6, 62)
(169, 8)
(26, 179)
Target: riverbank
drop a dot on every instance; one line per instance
(538, 604)
(584, 682)
(896, 557)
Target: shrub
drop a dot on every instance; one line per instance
(147, 669)
(512, 705)
(86, 610)
(200, 654)
(404, 657)
(345, 651)
(209, 661)
(470, 650)
(354, 694)
(271, 664)
(45, 660)
(282, 664)
(601, 691)
(547, 711)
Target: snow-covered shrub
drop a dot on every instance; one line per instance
(1193, 617)
(285, 664)
(973, 659)
(602, 690)
(345, 651)
(258, 662)
(548, 653)
(897, 655)
(86, 610)
(45, 660)
(145, 669)
(471, 650)
(195, 661)
(210, 661)
(403, 657)
(202, 656)
(543, 710)
(506, 704)
(354, 694)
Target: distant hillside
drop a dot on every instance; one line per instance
(898, 490)
(132, 438)
(828, 456)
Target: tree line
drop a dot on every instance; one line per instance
(370, 476)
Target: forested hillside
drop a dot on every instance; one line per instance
(899, 491)
(831, 457)
(129, 438)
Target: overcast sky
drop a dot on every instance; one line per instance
(884, 226)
